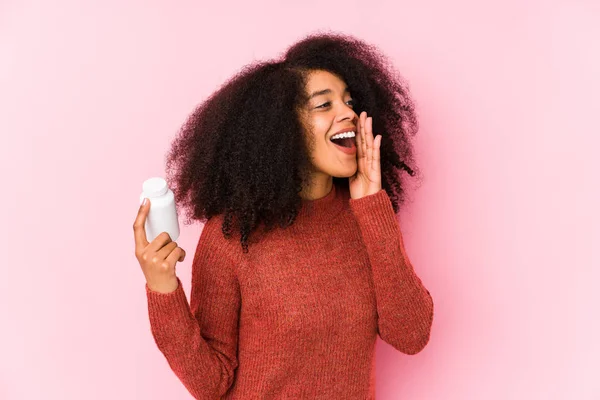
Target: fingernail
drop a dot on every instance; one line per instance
(144, 201)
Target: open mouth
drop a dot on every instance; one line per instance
(345, 142)
(345, 145)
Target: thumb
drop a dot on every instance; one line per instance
(145, 204)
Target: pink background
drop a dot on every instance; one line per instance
(504, 231)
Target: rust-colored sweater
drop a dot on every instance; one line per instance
(297, 317)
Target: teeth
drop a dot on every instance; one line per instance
(343, 135)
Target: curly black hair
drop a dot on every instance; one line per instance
(243, 152)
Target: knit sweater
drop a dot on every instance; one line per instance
(298, 315)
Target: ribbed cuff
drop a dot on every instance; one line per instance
(380, 230)
(167, 310)
(375, 215)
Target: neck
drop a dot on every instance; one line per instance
(319, 187)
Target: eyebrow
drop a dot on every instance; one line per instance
(325, 91)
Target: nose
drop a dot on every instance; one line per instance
(347, 113)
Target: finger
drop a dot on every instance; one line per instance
(166, 250)
(357, 137)
(369, 139)
(359, 141)
(377, 155)
(139, 232)
(178, 254)
(363, 138)
(362, 163)
(159, 242)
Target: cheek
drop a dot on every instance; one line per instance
(321, 126)
(317, 132)
(318, 127)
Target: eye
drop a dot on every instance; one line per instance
(351, 101)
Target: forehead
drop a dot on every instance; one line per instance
(320, 80)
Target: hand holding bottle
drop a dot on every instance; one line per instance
(157, 258)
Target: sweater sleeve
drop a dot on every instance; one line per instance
(404, 305)
(200, 340)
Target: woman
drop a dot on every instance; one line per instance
(291, 311)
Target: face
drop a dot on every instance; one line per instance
(329, 110)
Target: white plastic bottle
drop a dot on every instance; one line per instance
(163, 213)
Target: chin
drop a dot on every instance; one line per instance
(346, 174)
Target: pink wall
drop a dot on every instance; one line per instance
(504, 231)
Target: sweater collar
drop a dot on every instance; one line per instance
(324, 208)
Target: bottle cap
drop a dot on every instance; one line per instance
(154, 187)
